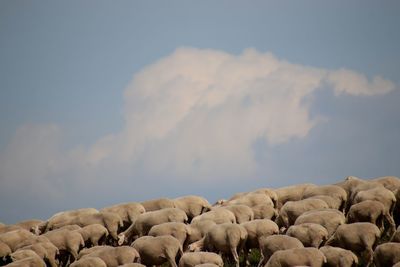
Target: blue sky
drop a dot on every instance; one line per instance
(103, 102)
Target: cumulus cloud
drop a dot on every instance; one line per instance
(34, 160)
(193, 114)
(353, 83)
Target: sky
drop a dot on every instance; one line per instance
(103, 102)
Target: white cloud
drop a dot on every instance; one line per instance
(33, 160)
(193, 114)
(353, 83)
(199, 111)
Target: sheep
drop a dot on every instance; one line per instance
(158, 204)
(5, 250)
(34, 239)
(225, 238)
(389, 182)
(310, 234)
(22, 254)
(114, 256)
(192, 205)
(47, 251)
(334, 191)
(93, 234)
(86, 251)
(157, 250)
(61, 217)
(89, 262)
(26, 258)
(371, 211)
(8, 228)
(266, 191)
(387, 254)
(396, 236)
(291, 210)
(198, 229)
(297, 256)
(191, 259)
(368, 185)
(127, 211)
(381, 194)
(70, 227)
(357, 237)
(332, 202)
(328, 218)
(66, 241)
(176, 229)
(51, 250)
(350, 183)
(396, 211)
(269, 192)
(13, 238)
(250, 199)
(257, 229)
(291, 193)
(109, 220)
(242, 213)
(264, 211)
(393, 184)
(273, 243)
(132, 265)
(218, 215)
(147, 220)
(339, 257)
(29, 225)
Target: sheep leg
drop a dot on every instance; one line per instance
(369, 256)
(74, 255)
(113, 234)
(392, 227)
(245, 256)
(235, 256)
(380, 222)
(376, 262)
(94, 241)
(342, 207)
(172, 262)
(262, 261)
(102, 240)
(330, 241)
(63, 258)
(52, 262)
